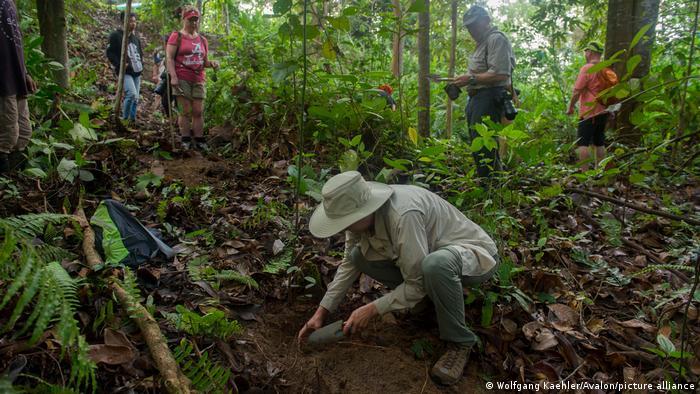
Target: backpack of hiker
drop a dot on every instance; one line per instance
(607, 78)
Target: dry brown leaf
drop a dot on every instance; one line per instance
(544, 340)
(566, 318)
(509, 326)
(635, 323)
(595, 325)
(111, 354)
(530, 329)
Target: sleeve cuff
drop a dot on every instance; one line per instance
(383, 304)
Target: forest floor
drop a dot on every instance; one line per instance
(575, 311)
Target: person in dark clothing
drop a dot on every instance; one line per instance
(15, 85)
(488, 77)
(134, 65)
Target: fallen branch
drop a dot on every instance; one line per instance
(653, 258)
(175, 381)
(633, 206)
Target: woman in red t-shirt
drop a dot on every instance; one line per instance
(187, 57)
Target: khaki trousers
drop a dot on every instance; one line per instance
(15, 129)
(443, 282)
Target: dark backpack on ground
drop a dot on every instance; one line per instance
(121, 239)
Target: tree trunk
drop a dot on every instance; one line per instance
(52, 25)
(122, 63)
(397, 47)
(451, 70)
(200, 7)
(228, 19)
(625, 19)
(424, 71)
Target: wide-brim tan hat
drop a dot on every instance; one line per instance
(347, 198)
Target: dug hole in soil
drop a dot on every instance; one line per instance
(380, 360)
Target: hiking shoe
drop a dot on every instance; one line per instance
(4, 163)
(186, 142)
(201, 144)
(17, 160)
(448, 369)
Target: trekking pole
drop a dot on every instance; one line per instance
(170, 110)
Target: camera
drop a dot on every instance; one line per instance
(452, 91)
(508, 108)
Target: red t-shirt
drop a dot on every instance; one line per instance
(589, 87)
(189, 62)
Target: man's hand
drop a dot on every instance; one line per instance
(462, 80)
(214, 64)
(359, 318)
(313, 324)
(31, 85)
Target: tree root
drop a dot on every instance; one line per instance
(175, 381)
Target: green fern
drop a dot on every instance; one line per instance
(31, 225)
(655, 267)
(206, 376)
(131, 287)
(237, 277)
(212, 324)
(52, 295)
(199, 268)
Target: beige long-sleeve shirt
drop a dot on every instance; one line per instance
(413, 223)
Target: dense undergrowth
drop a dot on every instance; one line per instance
(625, 275)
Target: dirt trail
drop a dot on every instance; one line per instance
(381, 361)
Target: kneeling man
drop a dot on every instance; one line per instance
(416, 244)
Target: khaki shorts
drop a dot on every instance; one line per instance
(15, 129)
(190, 90)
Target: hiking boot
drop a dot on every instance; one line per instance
(201, 144)
(448, 369)
(4, 163)
(17, 160)
(186, 143)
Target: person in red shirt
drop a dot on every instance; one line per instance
(592, 114)
(187, 56)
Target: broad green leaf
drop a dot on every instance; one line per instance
(67, 169)
(35, 172)
(632, 63)
(327, 50)
(86, 176)
(349, 11)
(81, 133)
(340, 23)
(54, 65)
(281, 7)
(637, 178)
(418, 6)
(665, 344)
(433, 150)
(639, 35)
(413, 135)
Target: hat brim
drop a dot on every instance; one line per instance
(470, 21)
(321, 226)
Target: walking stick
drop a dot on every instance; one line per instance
(170, 111)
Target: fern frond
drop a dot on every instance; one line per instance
(8, 247)
(238, 277)
(32, 225)
(47, 252)
(212, 324)
(82, 374)
(131, 287)
(654, 267)
(27, 264)
(206, 376)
